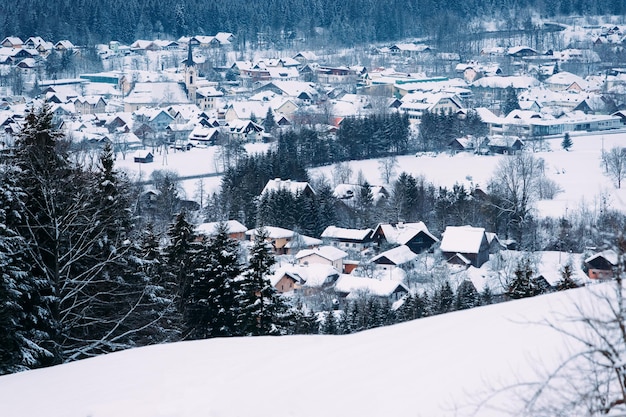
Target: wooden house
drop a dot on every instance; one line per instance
(413, 235)
(350, 286)
(469, 242)
(143, 157)
(236, 230)
(325, 255)
(348, 239)
(601, 265)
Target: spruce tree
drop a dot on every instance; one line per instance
(466, 296)
(523, 285)
(211, 307)
(511, 101)
(261, 309)
(443, 299)
(180, 255)
(24, 316)
(269, 123)
(567, 280)
(566, 143)
(329, 325)
(486, 296)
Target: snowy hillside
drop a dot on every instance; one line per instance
(428, 367)
(578, 172)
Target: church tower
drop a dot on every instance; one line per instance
(191, 75)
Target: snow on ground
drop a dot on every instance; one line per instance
(578, 172)
(428, 367)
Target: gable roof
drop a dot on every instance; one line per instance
(210, 229)
(278, 184)
(462, 239)
(396, 256)
(330, 253)
(402, 233)
(382, 288)
(339, 233)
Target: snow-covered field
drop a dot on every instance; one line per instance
(429, 367)
(578, 171)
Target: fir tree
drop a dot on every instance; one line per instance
(443, 299)
(567, 280)
(269, 123)
(566, 143)
(523, 285)
(511, 101)
(486, 296)
(261, 307)
(24, 315)
(211, 308)
(179, 257)
(466, 296)
(329, 325)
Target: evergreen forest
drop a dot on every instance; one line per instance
(279, 23)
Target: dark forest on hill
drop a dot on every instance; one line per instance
(278, 23)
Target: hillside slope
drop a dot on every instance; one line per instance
(427, 367)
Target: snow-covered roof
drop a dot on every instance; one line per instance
(340, 233)
(300, 241)
(327, 252)
(517, 82)
(311, 276)
(273, 232)
(566, 79)
(157, 93)
(462, 239)
(610, 255)
(402, 233)
(348, 284)
(398, 256)
(278, 184)
(210, 229)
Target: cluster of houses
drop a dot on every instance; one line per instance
(133, 108)
(348, 263)
(30, 55)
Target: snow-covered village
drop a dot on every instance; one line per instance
(395, 227)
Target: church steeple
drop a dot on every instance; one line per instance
(190, 74)
(190, 62)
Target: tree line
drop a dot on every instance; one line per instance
(269, 21)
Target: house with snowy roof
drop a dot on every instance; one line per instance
(308, 279)
(465, 243)
(602, 265)
(12, 42)
(285, 241)
(415, 236)
(326, 255)
(566, 81)
(348, 239)
(244, 130)
(351, 287)
(416, 103)
(491, 91)
(348, 193)
(90, 104)
(299, 90)
(206, 97)
(151, 94)
(204, 136)
(235, 229)
(294, 187)
(400, 256)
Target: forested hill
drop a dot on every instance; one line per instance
(278, 22)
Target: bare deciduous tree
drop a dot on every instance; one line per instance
(614, 162)
(515, 186)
